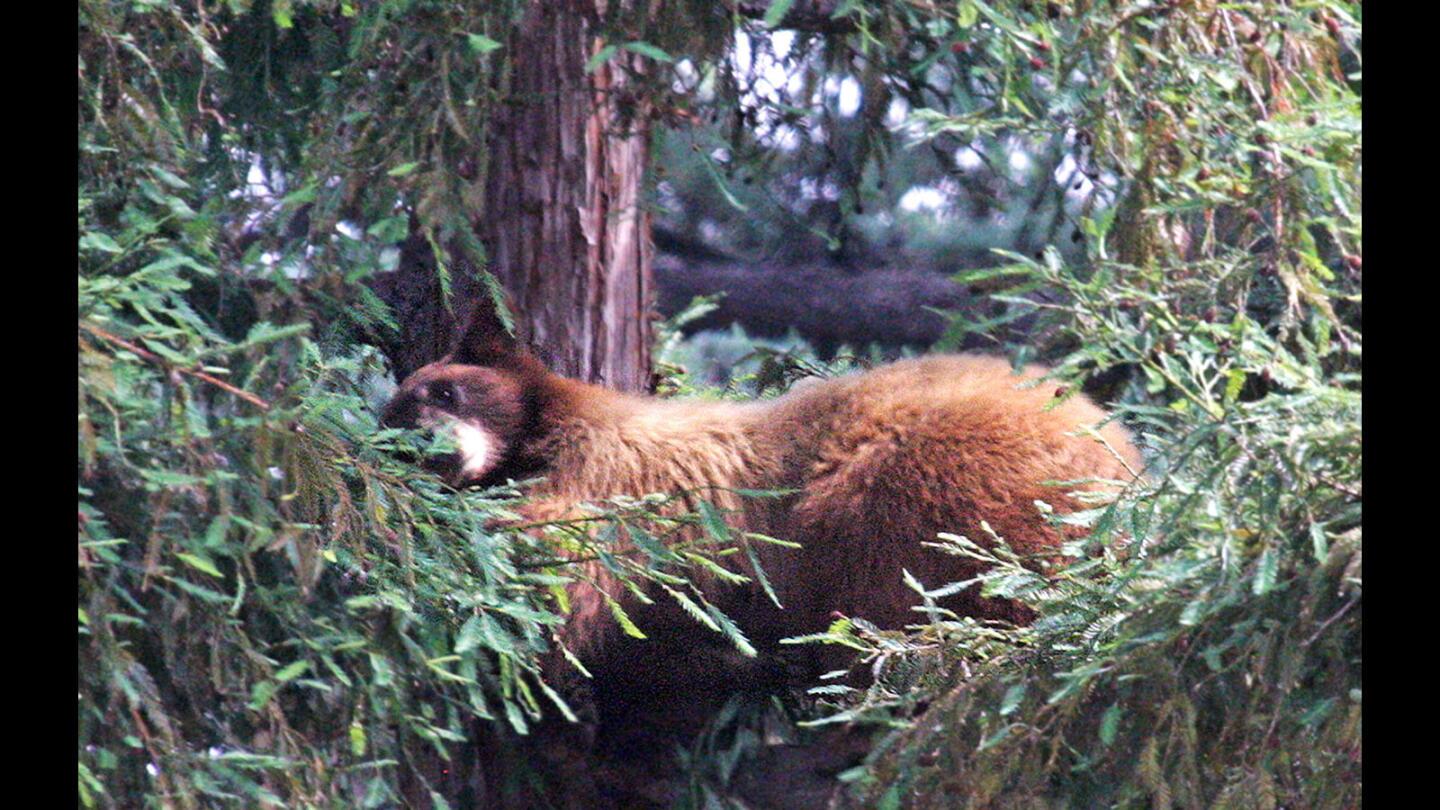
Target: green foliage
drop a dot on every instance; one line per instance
(274, 610)
(1202, 648)
(730, 363)
(824, 139)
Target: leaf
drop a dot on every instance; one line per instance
(1013, 697)
(168, 177)
(764, 580)
(996, 738)
(88, 783)
(215, 532)
(714, 521)
(623, 618)
(763, 493)
(1319, 712)
(776, 13)
(481, 44)
(282, 13)
(496, 636)
(261, 693)
(469, 637)
(731, 631)
(650, 51)
(1109, 724)
(693, 609)
(516, 718)
(601, 57)
(390, 229)
(292, 671)
(647, 543)
(720, 184)
(300, 196)
(95, 240)
(200, 564)
(1319, 542)
(985, 274)
(1265, 572)
(203, 594)
(357, 738)
(404, 169)
(966, 14)
(1234, 382)
(559, 702)
(122, 618)
(774, 541)
(715, 568)
(1192, 611)
(265, 332)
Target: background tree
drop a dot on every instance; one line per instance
(551, 176)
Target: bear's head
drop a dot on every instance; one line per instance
(486, 394)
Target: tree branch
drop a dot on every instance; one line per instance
(160, 361)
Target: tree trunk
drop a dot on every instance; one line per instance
(564, 224)
(567, 234)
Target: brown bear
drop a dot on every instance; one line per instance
(875, 465)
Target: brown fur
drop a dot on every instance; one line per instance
(882, 461)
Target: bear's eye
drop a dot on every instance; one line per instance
(442, 393)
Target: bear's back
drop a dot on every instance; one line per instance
(885, 460)
(939, 412)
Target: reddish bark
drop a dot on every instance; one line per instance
(567, 235)
(563, 224)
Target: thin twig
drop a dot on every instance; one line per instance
(158, 360)
(1337, 486)
(1326, 624)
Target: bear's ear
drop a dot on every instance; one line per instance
(487, 339)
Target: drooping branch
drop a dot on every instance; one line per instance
(163, 363)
